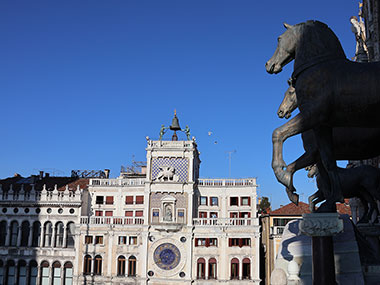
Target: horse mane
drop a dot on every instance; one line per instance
(316, 43)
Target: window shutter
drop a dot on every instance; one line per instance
(207, 242)
(230, 242)
(249, 201)
(109, 200)
(139, 213)
(139, 199)
(129, 200)
(240, 242)
(109, 213)
(128, 213)
(196, 241)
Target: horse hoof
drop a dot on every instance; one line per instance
(283, 176)
(293, 197)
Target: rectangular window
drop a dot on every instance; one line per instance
(234, 214)
(88, 239)
(122, 240)
(181, 216)
(234, 201)
(99, 200)
(200, 242)
(129, 213)
(98, 239)
(98, 213)
(155, 216)
(132, 240)
(233, 242)
(139, 213)
(245, 242)
(109, 213)
(203, 201)
(139, 199)
(245, 201)
(213, 242)
(214, 201)
(202, 214)
(129, 200)
(109, 200)
(213, 215)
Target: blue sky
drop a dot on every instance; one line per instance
(82, 83)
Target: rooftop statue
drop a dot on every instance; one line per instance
(331, 92)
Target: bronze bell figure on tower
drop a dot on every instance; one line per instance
(175, 126)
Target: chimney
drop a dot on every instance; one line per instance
(41, 174)
(47, 175)
(107, 173)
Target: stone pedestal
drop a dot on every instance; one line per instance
(321, 227)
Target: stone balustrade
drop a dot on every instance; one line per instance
(171, 144)
(225, 222)
(118, 182)
(111, 220)
(227, 182)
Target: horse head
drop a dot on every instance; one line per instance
(289, 103)
(285, 51)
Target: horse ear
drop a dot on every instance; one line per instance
(287, 25)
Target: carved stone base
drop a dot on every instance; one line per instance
(321, 224)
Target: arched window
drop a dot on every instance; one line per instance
(14, 234)
(25, 233)
(70, 229)
(235, 268)
(33, 272)
(121, 265)
(246, 268)
(3, 232)
(21, 276)
(1, 272)
(44, 273)
(132, 266)
(56, 273)
(11, 272)
(36, 234)
(212, 268)
(68, 277)
(98, 265)
(59, 234)
(87, 264)
(201, 270)
(48, 231)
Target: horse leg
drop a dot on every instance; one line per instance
(314, 199)
(295, 126)
(365, 217)
(324, 139)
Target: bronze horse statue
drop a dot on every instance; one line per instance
(349, 143)
(331, 92)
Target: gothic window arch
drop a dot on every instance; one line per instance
(48, 232)
(33, 272)
(246, 268)
(212, 273)
(132, 266)
(59, 229)
(87, 264)
(44, 279)
(234, 268)
(98, 265)
(70, 229)
(3, 232)
(36, 234)
(56, 273)
(11, 272)
(121, 265)
(201, 268)
(25, 233)
(68, 273)
(13, 233)
(21, 276)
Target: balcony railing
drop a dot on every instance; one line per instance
(118, 182)
(225, 222)
(227, 182)
(112, 220)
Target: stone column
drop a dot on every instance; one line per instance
(42, 236)
(8, 236)
(223, 270)
(64, 243)
(256, 262)
(110, 258)
(321, 227)
(52, 243)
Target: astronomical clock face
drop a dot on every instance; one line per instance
(167, 256)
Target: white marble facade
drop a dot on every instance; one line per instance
(167, 226)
